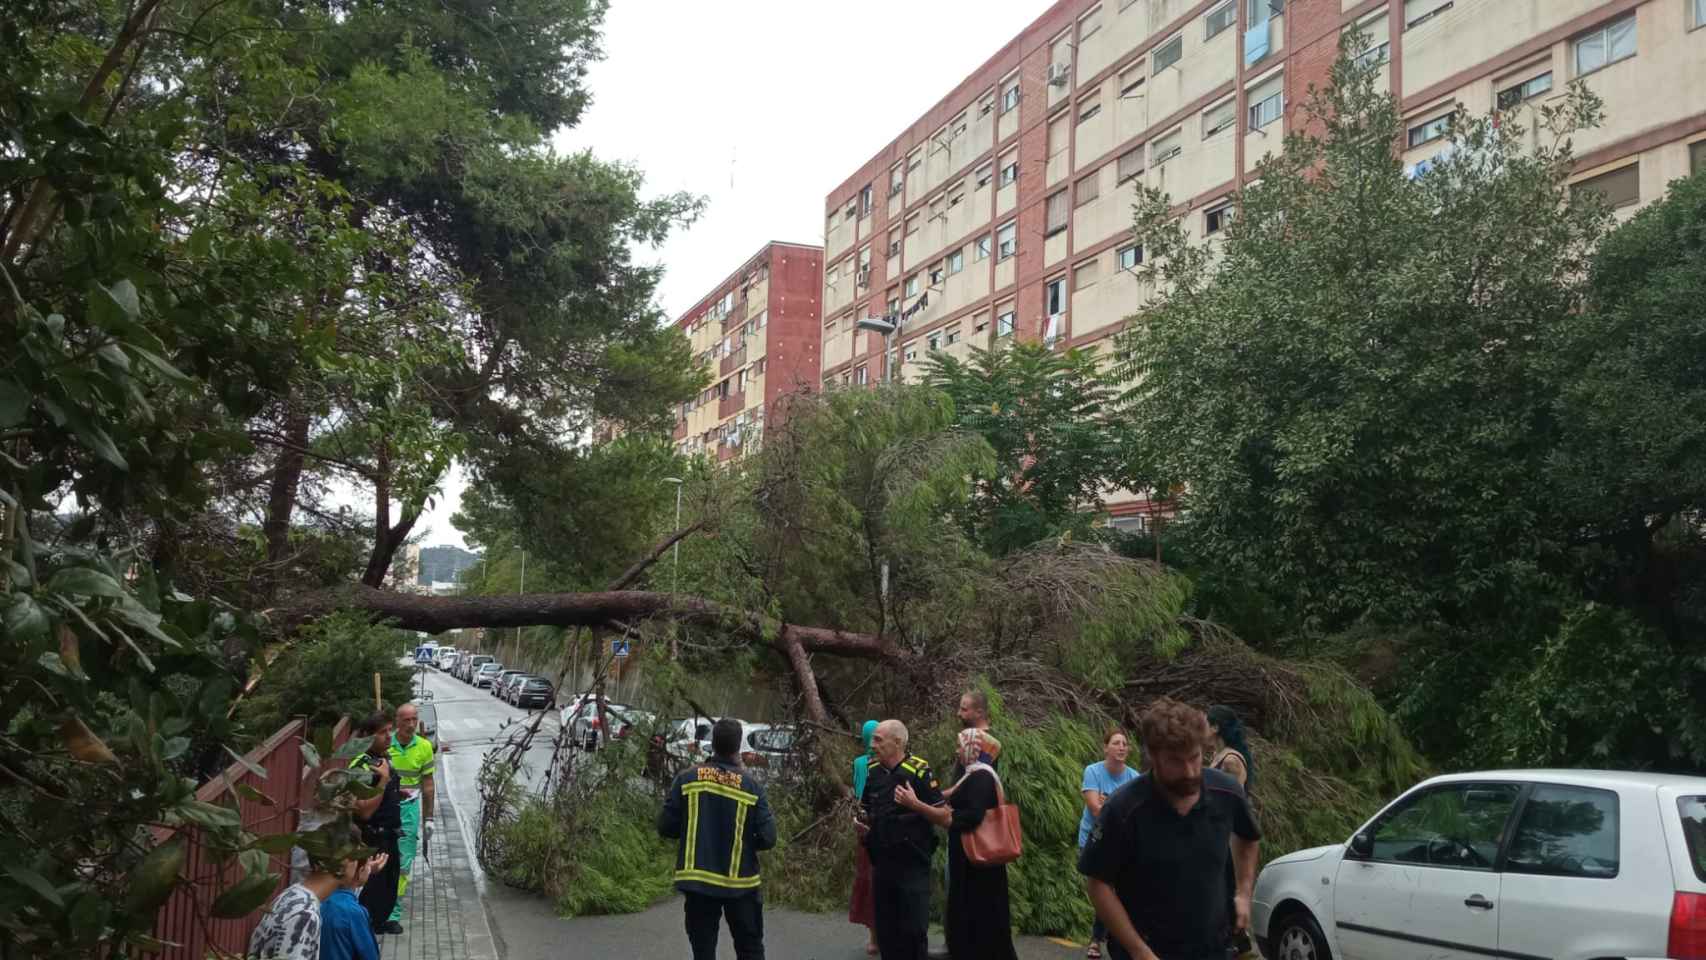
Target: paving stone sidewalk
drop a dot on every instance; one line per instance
(443, 917)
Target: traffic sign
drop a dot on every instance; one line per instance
(619, 649)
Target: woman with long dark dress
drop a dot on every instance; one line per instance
(979, 920)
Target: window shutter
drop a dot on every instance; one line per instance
(1057, 210)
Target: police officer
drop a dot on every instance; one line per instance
(900, 842)
(380, 818)
(728, 821)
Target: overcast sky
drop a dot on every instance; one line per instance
(762, 107)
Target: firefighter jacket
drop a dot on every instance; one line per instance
(898, 836)
(719, 813)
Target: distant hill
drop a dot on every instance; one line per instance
(442, 564)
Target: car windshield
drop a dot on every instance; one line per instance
(538, 685)
(1693, 810)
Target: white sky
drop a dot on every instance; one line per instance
(762, 107)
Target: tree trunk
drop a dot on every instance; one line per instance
(286, 482)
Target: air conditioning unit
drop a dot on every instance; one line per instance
(863, 277)
(1059, 74)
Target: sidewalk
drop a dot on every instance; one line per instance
(443, 917)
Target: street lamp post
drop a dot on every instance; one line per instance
(888, 329)
(675, 562)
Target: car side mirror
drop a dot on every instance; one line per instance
(1362, 846)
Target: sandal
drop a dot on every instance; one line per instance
(1093, 951)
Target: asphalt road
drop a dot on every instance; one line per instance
(526, 927)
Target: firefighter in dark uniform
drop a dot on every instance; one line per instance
(900, 842)
(720, 815)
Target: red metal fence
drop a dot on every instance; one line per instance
(185, 922)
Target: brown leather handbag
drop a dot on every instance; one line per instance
(999, 839)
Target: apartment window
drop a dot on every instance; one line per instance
(957, 127)
(912, 225)
(892, 308)
(1217, 118)
(1089, 107)
(1267, 102)
(936, 274)
(1131, 256)
(1517, 93)
(1432, 130)
(1056, 211)
(1057, 138)
(935, 341)
(1004, 324)
(1620, 187)
(982, 248)
(913, 159)
(852, 209)
(1613, 42)
(912, 285)
(1216, 219)
(1697, 151)
(1006, 241)
(1220, 18)
(986, 105)
(897, 180)
(956, 194)
(1169, 53)
(1130, 165)
(861, 376)
(1009, 173)
(894, 243)
(953, 336)
(1131, 79)
(985, 174)
(1697, 13)
(1088, 189)
(1375, 55)
(1165, 149)
(1261, 10)
(1089, 24)
(865, 201)
(939, 207)
(982, 323)
(1010, 96)
(1086, 273)
(1418, 12)
(956, 262)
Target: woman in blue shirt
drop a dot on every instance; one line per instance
(1101, 779)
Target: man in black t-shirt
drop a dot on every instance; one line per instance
(1157, 857)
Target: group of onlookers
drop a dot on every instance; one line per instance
(343, 902)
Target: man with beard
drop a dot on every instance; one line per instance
(1157, 857)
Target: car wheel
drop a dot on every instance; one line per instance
(1298, 937)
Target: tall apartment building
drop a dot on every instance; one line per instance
(1005, 211)
(757, 333)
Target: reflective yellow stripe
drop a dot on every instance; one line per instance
(740, 840)
(718, 879)
(914, 765)
(706, 786)
(692, 834)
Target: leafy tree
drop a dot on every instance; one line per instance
(327, 673)
(1044, 414)
(1351, 383)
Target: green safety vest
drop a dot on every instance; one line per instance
(412, 762)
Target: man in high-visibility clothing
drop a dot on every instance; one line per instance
(412, 759)
(720, 815)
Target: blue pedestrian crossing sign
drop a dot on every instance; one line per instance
(619, 649)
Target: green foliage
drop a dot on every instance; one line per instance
(327, 672)
(1351, 391)
(1044, 414)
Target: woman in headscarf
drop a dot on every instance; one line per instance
(979, 920)
(862, 911)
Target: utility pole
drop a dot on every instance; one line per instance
(518, 592)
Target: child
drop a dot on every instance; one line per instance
(346, 931)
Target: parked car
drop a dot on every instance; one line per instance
(501, 684)
(767, 749)
(444, 654)
(512, 684)
(429, 722)
(487, 673)
(534, 692)
(474, 663)
(584, 725)
(1567, 864)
